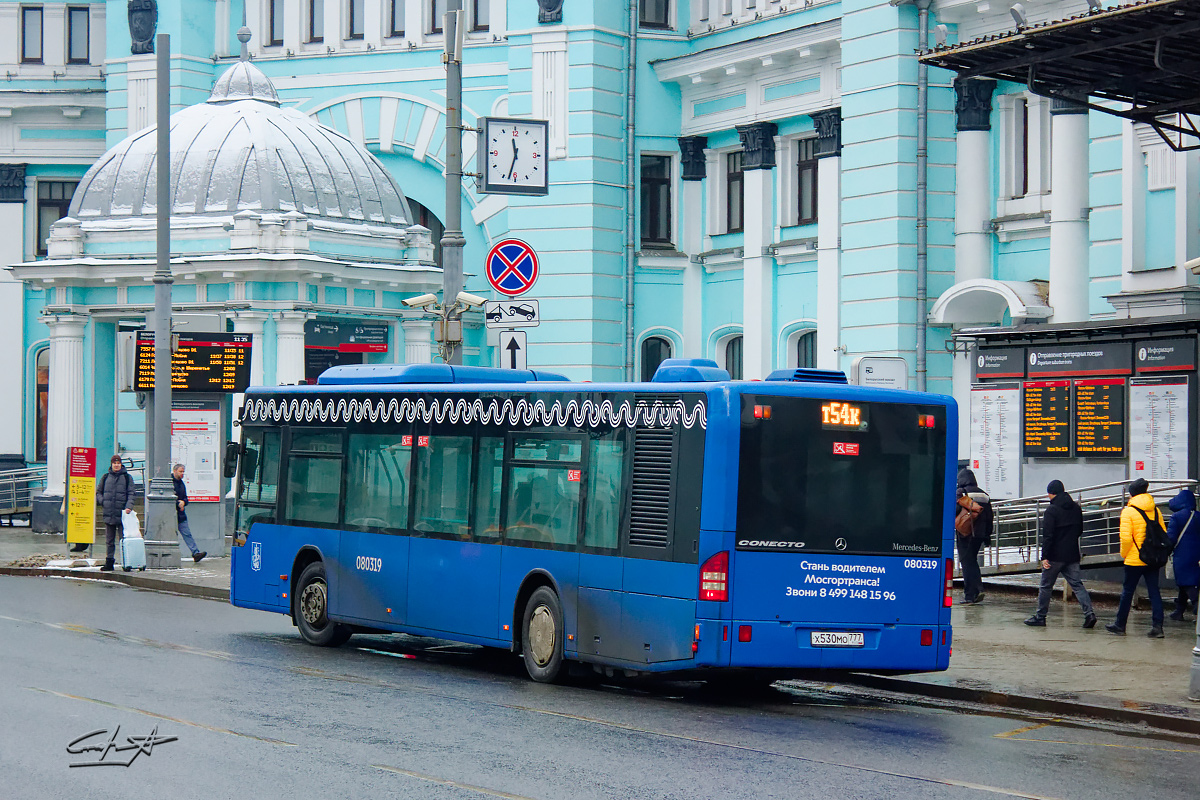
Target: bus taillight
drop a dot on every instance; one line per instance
(948, 599)
(714, 578)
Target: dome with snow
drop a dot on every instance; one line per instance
(241, 151)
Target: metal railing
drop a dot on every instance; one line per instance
(1016, 534)
(17, 489)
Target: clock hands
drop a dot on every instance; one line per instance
(513, 167)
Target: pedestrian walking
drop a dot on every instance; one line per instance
(181, 501)
(976, 503)
(1134, 517)
(114, 495)
(1183, 529)
(1062, 525)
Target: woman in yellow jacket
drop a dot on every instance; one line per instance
(1133, 533)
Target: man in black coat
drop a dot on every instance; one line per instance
(1062, 525)
(114, 495)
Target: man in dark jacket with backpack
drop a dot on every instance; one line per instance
(981, 534)
(114, 495)
(1062, 525)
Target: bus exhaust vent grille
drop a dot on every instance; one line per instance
(650, 508)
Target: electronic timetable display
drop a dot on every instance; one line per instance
(203, 362)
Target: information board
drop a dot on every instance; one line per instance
(196, 443)
(1046, 431)
(81, 495)
(1158, 430)
(1100, 418)
(996, 438)
(203, 362)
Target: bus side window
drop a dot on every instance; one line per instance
(377, 482)
(488, 487)
(314, 490)
(260, 466)
(443, 490)
(605, 481)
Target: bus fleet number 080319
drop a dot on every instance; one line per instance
(368, 563)
(921, 563)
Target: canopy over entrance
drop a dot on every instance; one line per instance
(1144, 58)
(984, 300)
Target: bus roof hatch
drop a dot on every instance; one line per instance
(689, 370)
(809, 375)
(385, 374)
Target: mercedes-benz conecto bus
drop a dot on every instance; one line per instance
(692, 523)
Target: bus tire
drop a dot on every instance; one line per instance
(310, 609)
(542, 635)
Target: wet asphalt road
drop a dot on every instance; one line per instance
(257, 713)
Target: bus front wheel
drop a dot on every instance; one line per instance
(541, 636)
(310, 608)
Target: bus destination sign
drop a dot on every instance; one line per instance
(204, 362)
(843, 416)
(1047, 429)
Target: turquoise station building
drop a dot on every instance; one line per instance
(729, 179)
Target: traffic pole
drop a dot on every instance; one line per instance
(453, 241)
(162, 526)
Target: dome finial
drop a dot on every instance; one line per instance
(244, 81)
(243, 36)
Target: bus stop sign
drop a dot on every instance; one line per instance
(512, 267)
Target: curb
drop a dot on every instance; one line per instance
(1178, 719)
(136, 580)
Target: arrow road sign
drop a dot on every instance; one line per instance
(512, 314)
(512, 267)
(513, 350)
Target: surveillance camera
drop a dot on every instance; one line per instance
(421, 301)
(939, 35)
(1018, 14)
(470, 300)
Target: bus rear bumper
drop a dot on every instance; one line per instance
(852, 646)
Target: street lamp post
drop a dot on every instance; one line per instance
(162, 527)
(452, 239)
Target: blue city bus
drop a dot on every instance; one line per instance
(692, 524)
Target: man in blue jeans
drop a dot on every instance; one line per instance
(181, 501)
(1134, 516)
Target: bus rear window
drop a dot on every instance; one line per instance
(806, 485)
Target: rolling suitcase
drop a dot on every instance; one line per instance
(133, 553)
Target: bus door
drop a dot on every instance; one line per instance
(374, 549)
(543, 500)
(454, 572)
(840, 535)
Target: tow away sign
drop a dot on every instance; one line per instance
(512, 314)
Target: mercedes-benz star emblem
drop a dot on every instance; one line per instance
(840, 544)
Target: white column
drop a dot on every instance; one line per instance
(757, 271)
(12, 326)
(1068, 209)
(289, 348)
(250, 322)
(692, 243)
(64, 425)
(829, 261)
(972, 206)
(418, 341)
(961, 389)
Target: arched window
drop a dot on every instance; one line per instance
(655, 350)
(42, 383)
(424, 217)
(806, 350)
(733, 358)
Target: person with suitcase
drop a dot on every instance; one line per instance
(114, 495)
(181, 501)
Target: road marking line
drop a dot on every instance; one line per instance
(1019, 731)
(212, 728)
(1107, 744)
(454, 784)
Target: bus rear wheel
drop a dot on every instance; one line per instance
(541, 636)
(310, 609)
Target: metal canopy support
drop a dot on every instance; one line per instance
(1144, 56)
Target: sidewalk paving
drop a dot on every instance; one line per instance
(1060, 669)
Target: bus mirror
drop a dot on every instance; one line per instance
(232, 450)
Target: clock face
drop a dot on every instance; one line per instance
(515, 156)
